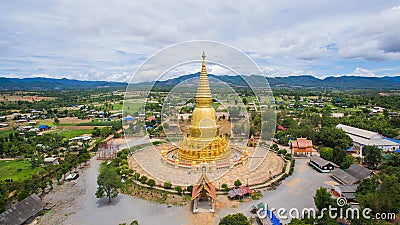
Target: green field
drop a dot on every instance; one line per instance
(117, 106)
(132, 107)
(73, 133)
(66, 124)
(18, 170)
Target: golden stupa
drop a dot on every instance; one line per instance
(203, 143)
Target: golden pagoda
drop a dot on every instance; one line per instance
(203, 143)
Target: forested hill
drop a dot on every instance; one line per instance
(306, 81)
(39, 83)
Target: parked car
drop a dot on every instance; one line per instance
(72, 176)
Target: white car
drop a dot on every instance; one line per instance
(72, 176)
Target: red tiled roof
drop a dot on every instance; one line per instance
(280, 127)
(205, 184)
(239, 191)
(213, 191)
(150, 118)
(194, 192)
(302, 145)
(302, 142)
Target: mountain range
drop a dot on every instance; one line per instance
(305, 81)
(301, 82)
(40, 83)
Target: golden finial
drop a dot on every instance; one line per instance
(203, 97)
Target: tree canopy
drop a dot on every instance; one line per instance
(372, 155)
(326, 153)
(332, 137)
(235, 219)
(108, 182)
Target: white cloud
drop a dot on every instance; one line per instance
(109, 39)
(363, 72)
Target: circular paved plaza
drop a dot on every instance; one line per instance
(261, 165)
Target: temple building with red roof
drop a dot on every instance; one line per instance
(301, 146)
(204, 195)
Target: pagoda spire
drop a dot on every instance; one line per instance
(203, 96)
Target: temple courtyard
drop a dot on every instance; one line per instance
(252, 171)
(75, 202)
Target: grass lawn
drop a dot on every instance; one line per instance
(66, 124)
(47, 122)
(73, 133)
(18, 170)
(117, 106)
(132, 107)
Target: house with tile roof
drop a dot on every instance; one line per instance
(22, 212)
(301, 146)
(354, 175)
(322, 165)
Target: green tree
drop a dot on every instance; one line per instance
(108, 182)
(143, 179)
(298, 222)
(225, 187)
(58, 177)
(136, 176)
(49, 182)
(322, 199)
(43, 186)
(22, 194)
(368, 185)
(235, 219)
(393, 160)
(134, 222)
(151, 182)
(332, 137)
(339, 155)
(96, 132)
(167, 184)
(3, 195)
(326, 153)
(381, 193)
(237, 183)
(372, 155)
(56, 120)
(275, 147)
(347, 162)
(178, 189)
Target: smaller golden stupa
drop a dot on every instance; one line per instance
(203, 143)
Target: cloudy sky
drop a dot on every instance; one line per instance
(108, 40)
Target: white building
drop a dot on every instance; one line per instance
(337, 115)
(51, 160)
(362, 138)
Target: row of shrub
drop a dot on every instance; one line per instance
(285, 175)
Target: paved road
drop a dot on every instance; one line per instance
(124, 208)
(297, 191)
(132, 141)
